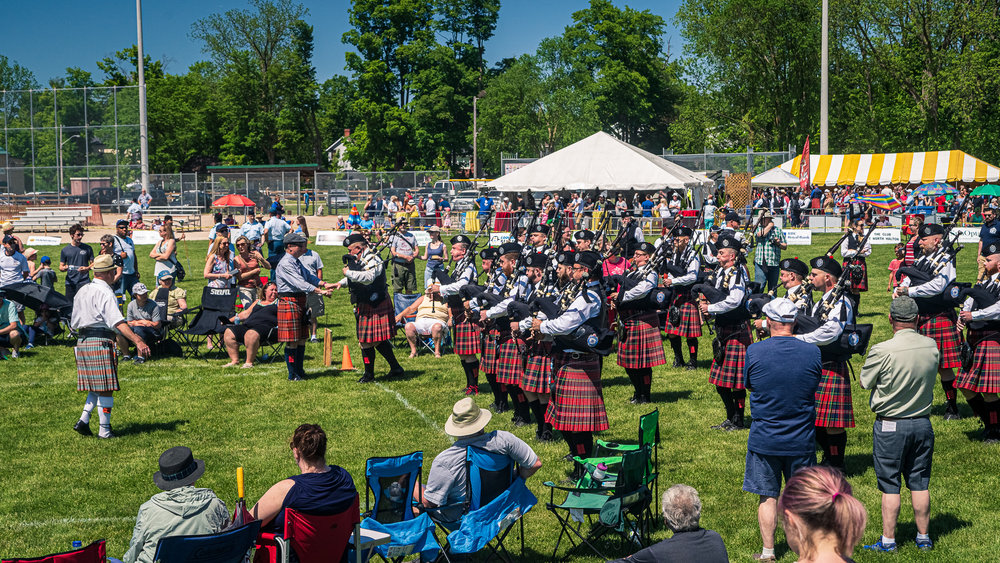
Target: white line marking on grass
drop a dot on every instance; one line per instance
(64, 521)
(430, 422)
(228, 372)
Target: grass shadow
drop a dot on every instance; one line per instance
(670, 396)
(615, 381)
(857, 464)
(148, 427)
(975, 435)
(941, 525)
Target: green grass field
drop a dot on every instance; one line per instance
(56, 486)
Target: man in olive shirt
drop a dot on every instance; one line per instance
(901, 373)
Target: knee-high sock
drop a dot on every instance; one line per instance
(570, 438)
(290, 359)
(950, 395)
(300, 360)
(978, 405)
(368, 358)
(385, 349)
(88, 407)
(538, 409)
(727, 399)
(635, 379)
(520, 402)
(992, 415)
(498, 389)
(675, 345)
(471, 372)
(838, 443)
(693, 349)
(104, 405)
(739, 401)
(822, 438)
(584, 444)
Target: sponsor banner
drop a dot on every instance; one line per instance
(44, 241)
(496, 239)
(802, 237)
(968, 234)
(145, 237)
(885, 236)
(330, 238)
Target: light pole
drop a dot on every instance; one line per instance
(824, 95)
(143, 125)
(475, 134)
(61, 143)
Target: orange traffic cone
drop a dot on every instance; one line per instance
(346, 364)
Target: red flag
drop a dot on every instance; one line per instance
(804, 167)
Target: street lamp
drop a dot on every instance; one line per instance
(475, 133)
(59, 191)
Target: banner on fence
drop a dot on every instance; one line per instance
(145, 237)
(330, 238)
(496, 239)
(801, 237)
(967, 234)
(885, 236)
(44, 241)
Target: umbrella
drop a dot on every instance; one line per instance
(881, 201)
(33, 296)
(988, 189)
(233, 200)
(934, 188)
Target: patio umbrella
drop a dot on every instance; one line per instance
(934, 188)
(881, 201)
(33, 296)
(234, 200)
(988, 189)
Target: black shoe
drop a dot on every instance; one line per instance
(991, 436)
(642, 399)
(691, 366)
(725, 425)
(738, 422)
(678, 363)
(367, 378)
(568, 457)
(499, 408)
(519, 422)
(545, 435)
(397, 372)
(951, 412)
(138, 360)
(83, 428)
(295, 377)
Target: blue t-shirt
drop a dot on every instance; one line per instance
(485, 206)
(782, 374)
(990, 233)
(76, 256)
(320, 494)
(647, 208)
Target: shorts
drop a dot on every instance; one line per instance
(904, 451)
(764, 472)
(426, 324)
(314, 302)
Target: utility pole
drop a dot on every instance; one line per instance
(824, 95)
(143, 124)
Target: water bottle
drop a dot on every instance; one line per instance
(77, 544)
(600, 473)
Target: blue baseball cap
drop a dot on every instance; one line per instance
(46, 260)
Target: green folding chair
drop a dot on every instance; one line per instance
(610, 453)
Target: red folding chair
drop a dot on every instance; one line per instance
(313, 539)
(93, 553)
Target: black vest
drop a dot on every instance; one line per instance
(371, 294)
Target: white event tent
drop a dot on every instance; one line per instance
(604, 162)
(775, 177)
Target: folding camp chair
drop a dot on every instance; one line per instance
(610, 453)
(310, 538)
(217, 305)
(390, 484)
(270, 347)
(229, 546)
(497, 498)
(400, 301)
(93, 553)
(621, 505)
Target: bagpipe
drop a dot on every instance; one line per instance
(369, 263)
(853, 339)
(658, 297)
(930, 267)
(442, 277)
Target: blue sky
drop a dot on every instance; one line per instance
(47, 36)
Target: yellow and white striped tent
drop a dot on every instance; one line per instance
(895, 168)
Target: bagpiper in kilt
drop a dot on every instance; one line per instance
(468, 332)
(577, 405)
(854, 258)
(834, 409)
(536, 377)
(640, 347)
(488, 365)
(732, 332)
(979, 379)
(937, 316)
(509, 354)
(294, 281)
(373, 311)
(95, 314)
(683, 318)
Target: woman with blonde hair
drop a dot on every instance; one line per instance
(822, 521)
(220, 269)
(165, 251)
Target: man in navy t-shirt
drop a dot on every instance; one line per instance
(782, 374)
(485, 203)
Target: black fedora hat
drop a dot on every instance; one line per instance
(178, 468)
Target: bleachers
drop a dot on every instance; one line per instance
(186, 218)
(45, 219)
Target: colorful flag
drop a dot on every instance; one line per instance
(881, 201)
(804, 179)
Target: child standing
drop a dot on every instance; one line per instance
(900, 249)
(45, 275)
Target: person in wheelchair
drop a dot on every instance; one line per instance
(433, 319)
(319, 489)
(253, 325)
(143, 317)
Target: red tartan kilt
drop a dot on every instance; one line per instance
(984, 376)
(510, 362)
(942, 329)
(834, 408)
(730, 373)
(468, 334)
(863, 284)
(291, 318)
(538, 368)
(690, 325)
(577, 403)
(488, 363)
(641, 346)
(374, 322)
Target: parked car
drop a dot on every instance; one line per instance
(96, 196)
(195, 198)
(338, 199)
(465, 200)
(120, 204)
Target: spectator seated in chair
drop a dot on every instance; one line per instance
(180, 510)
(319, 489)
(143, 317)
(11, 336)
(689, 542)
(253, 325)
(433, 319)
(173, 296)
(46, 323)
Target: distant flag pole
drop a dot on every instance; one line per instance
(804, 179)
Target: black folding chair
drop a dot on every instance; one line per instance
(211, 317)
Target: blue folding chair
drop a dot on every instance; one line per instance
(390, 484)
(230, 546)
(497, 498)
(400, 301)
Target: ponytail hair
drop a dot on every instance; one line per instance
(821, 499)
